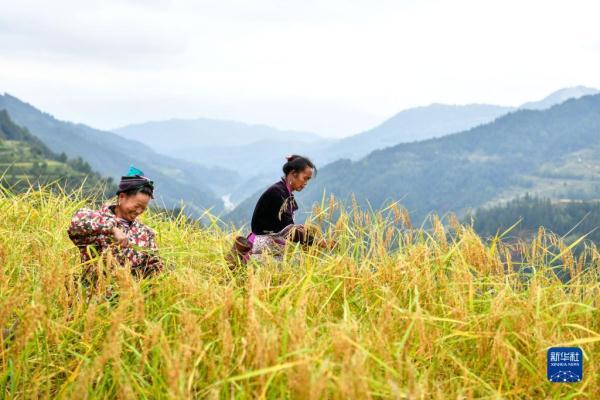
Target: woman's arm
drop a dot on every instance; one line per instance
(308, 235)
(145, 260)
(297, 233)
(87, 224)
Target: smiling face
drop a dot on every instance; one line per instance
(132, 206)
(299, 180)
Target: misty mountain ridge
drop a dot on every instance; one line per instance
(256, 155)
(256, 152)
(436, 120)
(110, 154)
(560, 96)
(175, 135)
(554, 153)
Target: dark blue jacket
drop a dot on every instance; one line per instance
(274, 210)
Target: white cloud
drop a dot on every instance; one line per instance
(104, 34)
(335, 67)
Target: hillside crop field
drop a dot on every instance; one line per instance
(391, 312)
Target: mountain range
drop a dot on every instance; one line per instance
(257, 152)
(252, 155)
(435, 120)
(553, 153)
(174, 135)
(110, 154)
(252, 151)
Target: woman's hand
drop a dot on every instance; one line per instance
(326, 244)
(120, 237)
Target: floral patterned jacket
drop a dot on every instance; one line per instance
(94, 229)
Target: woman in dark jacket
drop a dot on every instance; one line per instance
(273, 217)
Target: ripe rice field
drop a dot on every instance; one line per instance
(392, 311)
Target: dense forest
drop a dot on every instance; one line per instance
(572, 219)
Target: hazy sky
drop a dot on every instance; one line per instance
(332, 67)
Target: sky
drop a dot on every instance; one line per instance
(331, 67)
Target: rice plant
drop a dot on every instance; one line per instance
(392, 311)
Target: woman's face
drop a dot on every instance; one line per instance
(131, 207)
(299, 180)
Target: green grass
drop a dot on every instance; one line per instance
(389, 313)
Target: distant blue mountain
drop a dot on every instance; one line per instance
(174, 135)
(412, 125)
(255, 152)
(560, 96)
(435, 120)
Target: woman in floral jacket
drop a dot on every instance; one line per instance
(115, 228)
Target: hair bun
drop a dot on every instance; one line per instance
(297, 163)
